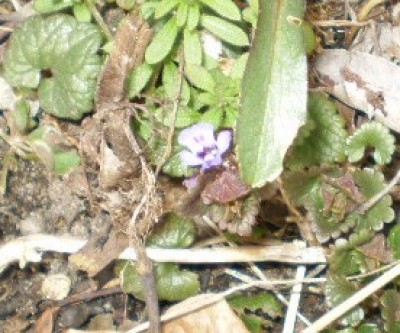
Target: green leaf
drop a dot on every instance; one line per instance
(173, 284)
(82, 12)
(239, 66)
(165, 7)
(394, 241)
(300, 185)
(64, 48)
(274, 92)
(371, 183)
(213, 116)
(170, 80)
(139, 79)
(65, 161)
(253, 323)
(175, 168)
(126, 4)
(182, 14)
(309, 37)
(184, 118)
(49, 6)
(250, 13)
(374, 135)
(175, 232)
(391, 310)
(193, 18)
(162, 43)
(21, 116)
(266, 302)
(199, 77)
(337, 290)
(225, 8)
(192, 47)
(368, 328)
(322, 139)
(224, 30)
(332, 217)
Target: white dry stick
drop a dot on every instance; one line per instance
(354, 300)
(30, 248)
(294, 301)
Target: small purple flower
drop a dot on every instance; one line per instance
(202, 147)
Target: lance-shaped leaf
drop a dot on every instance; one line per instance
(274, 91)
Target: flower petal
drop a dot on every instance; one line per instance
(224, 139)
(197, 137)
(190, 159)
(212, 163)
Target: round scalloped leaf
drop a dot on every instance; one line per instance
(371, 135)
(322, 139)
(390, 310)
(337, 290)
(370, 183)
(328, 225)
(62, 49)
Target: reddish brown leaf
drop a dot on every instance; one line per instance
(227, 187)
(377, 249)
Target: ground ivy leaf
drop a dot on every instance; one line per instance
(224, 30)
(274, 92)
(162, 43)
(225, 8)
(373, 135)
(173, 284)
(266, 302)
(370, 183)
(176, 232)
(67, 50)
(391, 310)
(337, 290)
(322, 139)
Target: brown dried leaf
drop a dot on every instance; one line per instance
(45, 323)
(363, 81)
(215, 318)
(378, 249)
(130, 44)
(118, 160)
(99, 252)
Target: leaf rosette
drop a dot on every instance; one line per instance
(57, 55)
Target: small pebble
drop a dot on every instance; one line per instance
(56, 287)
(74, 316)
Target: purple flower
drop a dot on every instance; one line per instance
(203, 149)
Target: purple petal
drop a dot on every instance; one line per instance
(191, 182)
(217, 160)
(190, 159)
(224, 139)
(198, 136)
